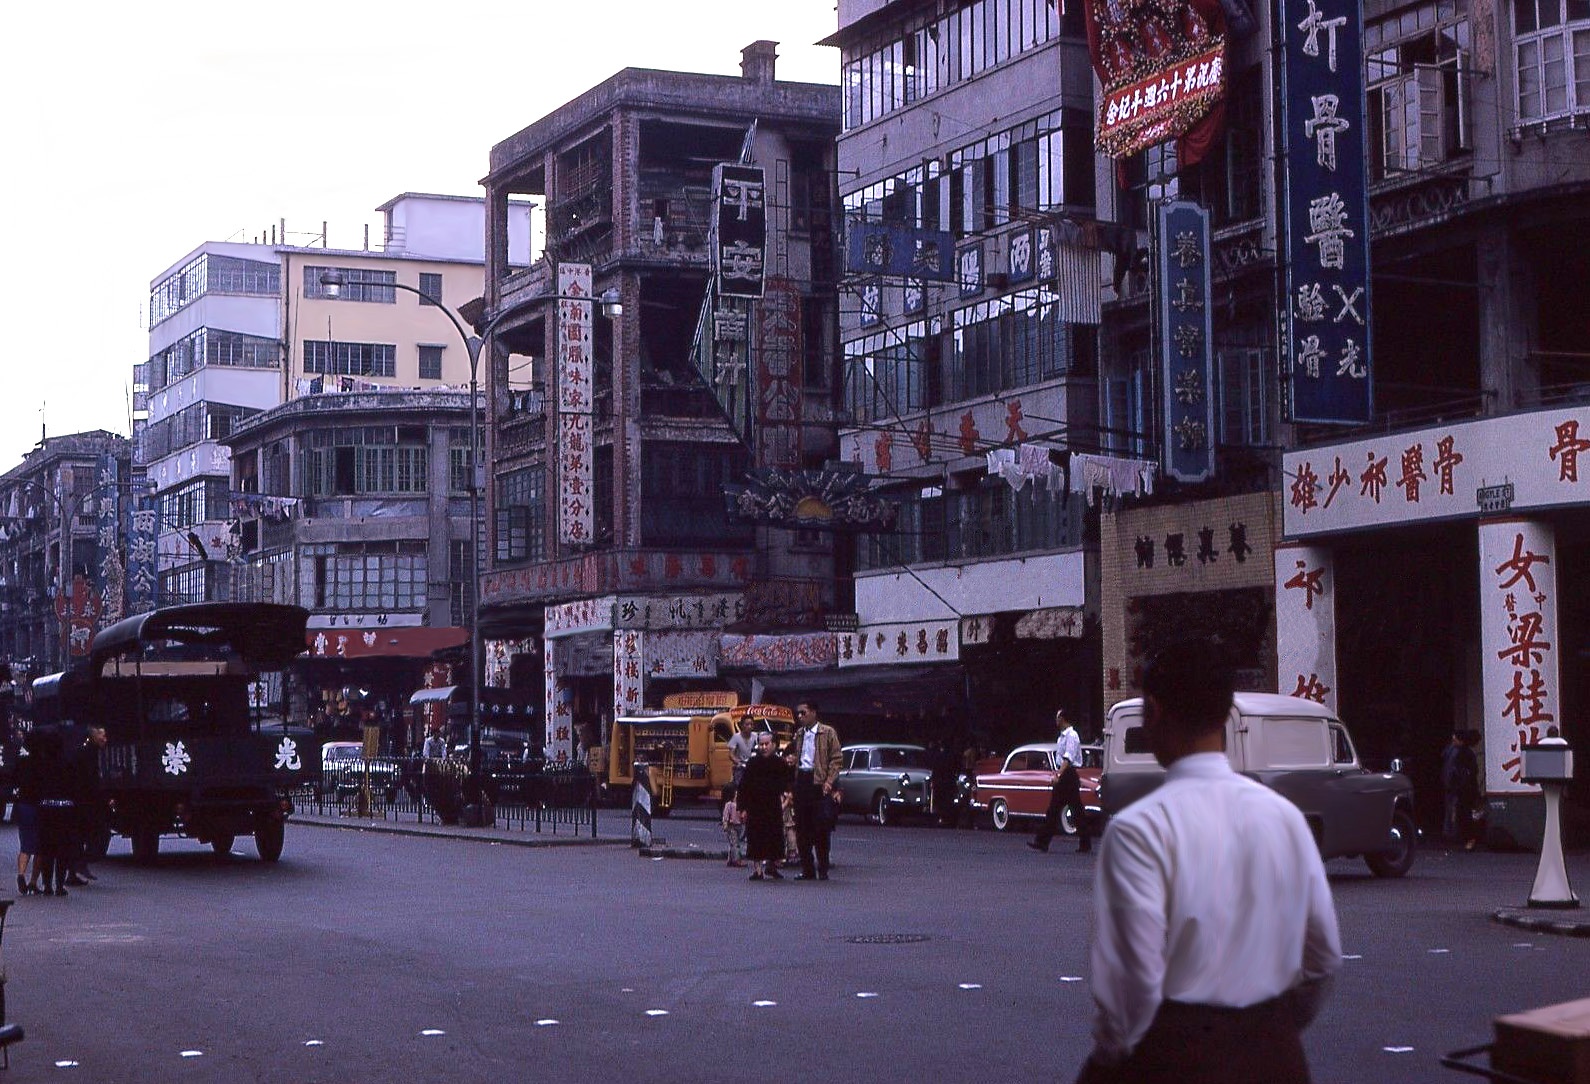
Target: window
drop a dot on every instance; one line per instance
(349, 359)
(985, 519)
(430, 362)
(358, 284)
(1417, 67)
(206, 273)
(366, 460)
(681, 494)
(521, 516)
(430, 286)
(458, 463)
(1244, 418)
(372, 576)
(1230, 178)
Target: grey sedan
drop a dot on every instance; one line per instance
(885, 781)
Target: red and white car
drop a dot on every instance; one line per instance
(1020, 787)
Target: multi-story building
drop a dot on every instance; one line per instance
(354, 505)
(612, 565)
(969, 327)
(63, 558)
(1420, 566)
(239, 328)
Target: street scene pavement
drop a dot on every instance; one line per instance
(931, 955)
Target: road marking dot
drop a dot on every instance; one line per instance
(193, 1053)
(429, 1032)
(314, 1042)
(627, 990)
(548, 1022)
(970, 985)
(1353, 956)
(1070, 978)
(65, 1064)
(656, 1012)
(1439, 951)
(1523, 944)
(867, 993)
(764, 1004)
(1397, 1049)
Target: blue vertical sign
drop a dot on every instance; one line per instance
(1182, 334)
(1324, 315)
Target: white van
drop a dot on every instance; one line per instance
(1299, 749)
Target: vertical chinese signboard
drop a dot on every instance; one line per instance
(739, 230)
(141, 546)
(1305, 623)
(1183, 339)
(778, 362)
(112, 571)
(1518, 644)
(1324, 317)
(576, 456)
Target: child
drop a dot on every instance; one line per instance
(733, 827)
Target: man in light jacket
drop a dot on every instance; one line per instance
(817, 764)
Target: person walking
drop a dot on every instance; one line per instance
(89, 815)
(817, 764)
(765, 779)
(1066, 792)
(792, 850)
(733, 819)
(1460, 789)
(55, 812)
(742, 745)
(25, 812)
(1215, 935)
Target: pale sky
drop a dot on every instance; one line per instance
(135, 132)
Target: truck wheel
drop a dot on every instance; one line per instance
(145, 845)
(223, 844)
(1398, 859)
(269, 835)
(880, 809)
(660, 811)
(98, 843)
(999, 814)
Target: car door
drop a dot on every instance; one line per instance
(1031, 786)
(853, 766)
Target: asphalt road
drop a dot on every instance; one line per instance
(365, 957)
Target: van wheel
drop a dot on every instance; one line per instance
(222, 845)
(269, 836)
(880, 809)
(145, 845)
(999, 814)
(1398, 859)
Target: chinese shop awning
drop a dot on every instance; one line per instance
(432, 696)
(414, 643)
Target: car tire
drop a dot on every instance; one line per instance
(222, 845)
(269, 836)
(1068, 823)
(880, 809)
(145, 846)
(1397, 860)
(999, 814)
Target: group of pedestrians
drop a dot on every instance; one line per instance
(771, 790)
(59, 807)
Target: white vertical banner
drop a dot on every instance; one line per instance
(560, 707)
(629, 675)
(549, 657)
(1518, 645)
(1305, 623)
(576, 455)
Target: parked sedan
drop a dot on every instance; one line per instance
(885, 782)
(1020, 787)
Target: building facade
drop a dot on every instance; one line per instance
(612, 568)
(64, 560)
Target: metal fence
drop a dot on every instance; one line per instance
(435, 791)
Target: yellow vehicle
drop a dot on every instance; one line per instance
(684, 748)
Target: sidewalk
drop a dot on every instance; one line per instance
(612, 829)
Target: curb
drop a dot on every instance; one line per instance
(682, 852)
(505, 838)
(1541, 922)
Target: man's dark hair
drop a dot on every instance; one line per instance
(1191, 679)
(810, 703)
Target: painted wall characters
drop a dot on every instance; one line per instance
(1518, 644)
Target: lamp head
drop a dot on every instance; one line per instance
(331, 282)
(612, 303)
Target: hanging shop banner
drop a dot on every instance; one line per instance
(914, 641)
(582, 615)
(142, 541)
(1181, 240)
(1305, 623)
(681, 654)
(739, 230)
(704, 611)
(882, 248)
(576, 453)
(111, 574)
(559, 706)
(779, 355)
(1324, 321)
(629, 678)
(1518, 645)
(778, 654)
(1162, 65)
(969, 269)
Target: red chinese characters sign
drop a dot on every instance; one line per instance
(1518, 644)
(576, 451)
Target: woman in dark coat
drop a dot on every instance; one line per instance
(766, 778)
(55, 810)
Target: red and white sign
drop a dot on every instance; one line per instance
(1305, 623)
(629, 677)
(910, 642)
(1518, 645)
(583, 615)
(1161, 105)
(576, 452)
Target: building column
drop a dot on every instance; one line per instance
(1518, 666)
(1508, 325)
(1305, 622)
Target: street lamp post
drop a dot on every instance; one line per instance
(332, 280)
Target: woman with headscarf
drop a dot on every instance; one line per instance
(763, 783)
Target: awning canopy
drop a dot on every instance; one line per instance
(440, 694)
(417, 642)
(870, 690)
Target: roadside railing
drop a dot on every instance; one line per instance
(437, 791)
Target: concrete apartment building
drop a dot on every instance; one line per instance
(971, 378)
(236, 329)
(609, 593)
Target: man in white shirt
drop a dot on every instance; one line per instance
(1215, 936)
(1066, 792)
